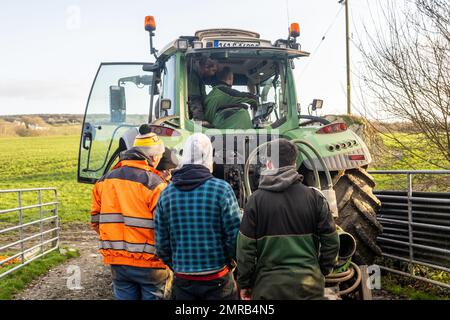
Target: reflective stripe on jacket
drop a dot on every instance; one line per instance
(123, 207)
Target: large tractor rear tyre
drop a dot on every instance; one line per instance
(357, 207)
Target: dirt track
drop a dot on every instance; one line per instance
(95, 277)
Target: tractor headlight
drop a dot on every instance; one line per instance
(280, 43)
(182, 44)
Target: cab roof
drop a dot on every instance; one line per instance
(226, 39)
(221, 32)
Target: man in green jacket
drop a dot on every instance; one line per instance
(287, 241)
(204, 69)
(225, 107)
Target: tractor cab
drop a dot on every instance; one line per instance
(125, 95)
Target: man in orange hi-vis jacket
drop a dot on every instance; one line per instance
(123, 208)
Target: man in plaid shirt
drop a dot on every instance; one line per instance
(196, 225)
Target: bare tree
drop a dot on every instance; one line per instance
(407, 73)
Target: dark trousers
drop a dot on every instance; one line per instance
(223, 288)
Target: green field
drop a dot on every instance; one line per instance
(392, 156)
(51, 161)
(45, 162)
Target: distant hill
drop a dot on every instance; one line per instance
(26, 125)
(51, 119)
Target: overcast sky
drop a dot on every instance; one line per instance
(50, 50)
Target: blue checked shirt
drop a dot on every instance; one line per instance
(196, 230)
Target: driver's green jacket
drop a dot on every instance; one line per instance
(231, 117)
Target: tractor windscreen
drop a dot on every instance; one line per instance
(120, 100)
(225, 81)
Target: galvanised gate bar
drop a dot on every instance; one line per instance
(416, 225)
(30, 231)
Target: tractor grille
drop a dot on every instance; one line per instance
(342, 161)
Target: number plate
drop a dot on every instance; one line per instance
(234, 44)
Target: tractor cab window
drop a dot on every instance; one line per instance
(270, 91)
(165, 105)
(261, 79)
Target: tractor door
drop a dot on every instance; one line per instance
(120, 100)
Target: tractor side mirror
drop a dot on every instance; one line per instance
(316, 104)
(151, 67)
(117, 104)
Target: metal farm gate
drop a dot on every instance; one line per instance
(29, 226)
(416, 225)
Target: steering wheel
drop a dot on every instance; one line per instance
(263, 112)
(167, 119)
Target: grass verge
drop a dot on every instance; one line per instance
(412, 289)
(19, 279)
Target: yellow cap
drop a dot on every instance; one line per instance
(151, 142)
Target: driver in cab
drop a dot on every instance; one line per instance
(225, 107)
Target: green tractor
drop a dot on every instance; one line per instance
(126, 95)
